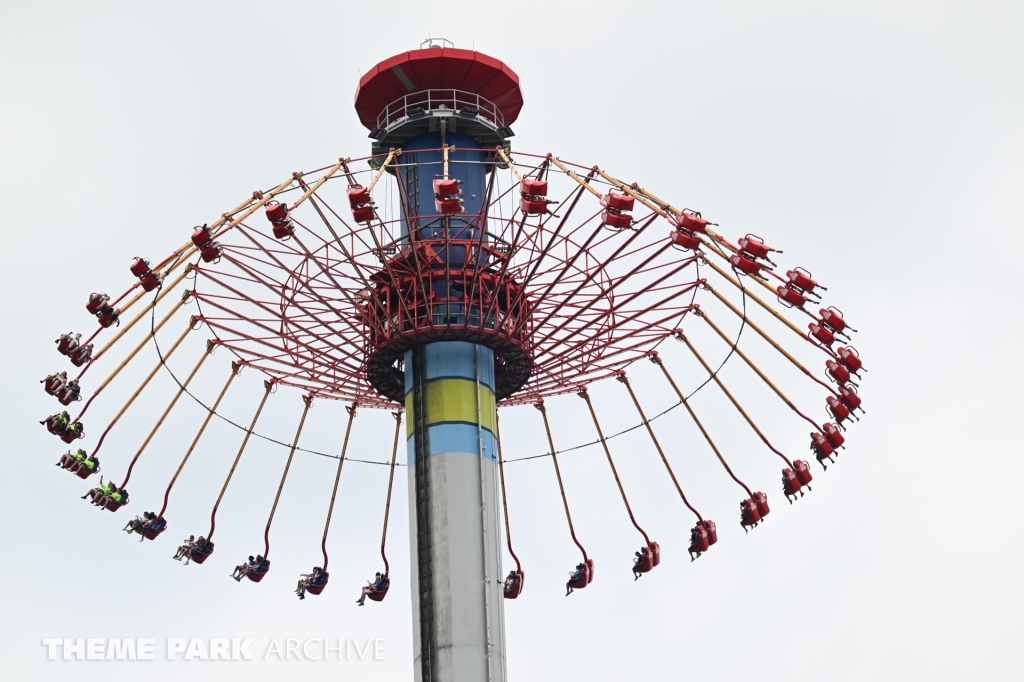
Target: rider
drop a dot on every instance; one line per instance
(242, 570)
(54, 382)
(70, 459)
(379, 583)
(201, 546)
(99, 492)
(639, 562)
(68, 342)
(57, 422)
(574, 577)
(510, 582)
(186, 548)
(306, 580)
(75, 428)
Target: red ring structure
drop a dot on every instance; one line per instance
(407, 312)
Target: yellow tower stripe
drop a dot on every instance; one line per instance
(454, 400)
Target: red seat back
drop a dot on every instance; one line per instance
(590, 571)
(712, 530)
(317, 589)
(803, 471)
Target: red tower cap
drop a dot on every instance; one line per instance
(438, 68)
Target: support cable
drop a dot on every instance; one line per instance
(337, 477)
(729, 395)
(686, 403)
(166, 412)
(235, 369)
(391, 480)
(145, 382)
(231, 472)
(704, 316)
(625, 381)
(586, 396)
(308, 400)
(558, 474)
(504, 498)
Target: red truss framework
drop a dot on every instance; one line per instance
(563, 297)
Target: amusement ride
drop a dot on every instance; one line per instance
(441, 277)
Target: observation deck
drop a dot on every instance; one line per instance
(415, 92)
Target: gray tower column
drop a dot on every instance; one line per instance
(458, 605)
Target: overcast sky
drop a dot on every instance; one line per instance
(880, 144)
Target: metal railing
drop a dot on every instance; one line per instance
(425, 102)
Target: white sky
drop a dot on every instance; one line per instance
(879, 144)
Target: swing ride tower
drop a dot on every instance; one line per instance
(439, 278)
(443, 108)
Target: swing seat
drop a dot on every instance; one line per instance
(832, 433)
(67, 394)
(201, 237)
(257, 574)
(317, 588)
(840, 412)
(199, 556)
(140, 267)
(445, 187)
(850, 358)
(83, 471)
(698, 540)
(513, 590)
(749, 515)
(618, 201)
(762, 504)
(81, 355)
(618, 221)
(153, 531)
(150, 281)
(53, 385)
(649, 558)
(803, 471)
(107, 317)
(685, 240)
(533, 206)
(848, 394)
(276, 212)
(211, 252)
(801, 279)
(66, 344)
(378, 595)
(96, 302)
(69, 436)
(692, 221)
(712, 531)
(822, 334)
(585, 577)
(534, 187)
(357, 196)
(790, 483)
(833, 317)
(110, 504)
